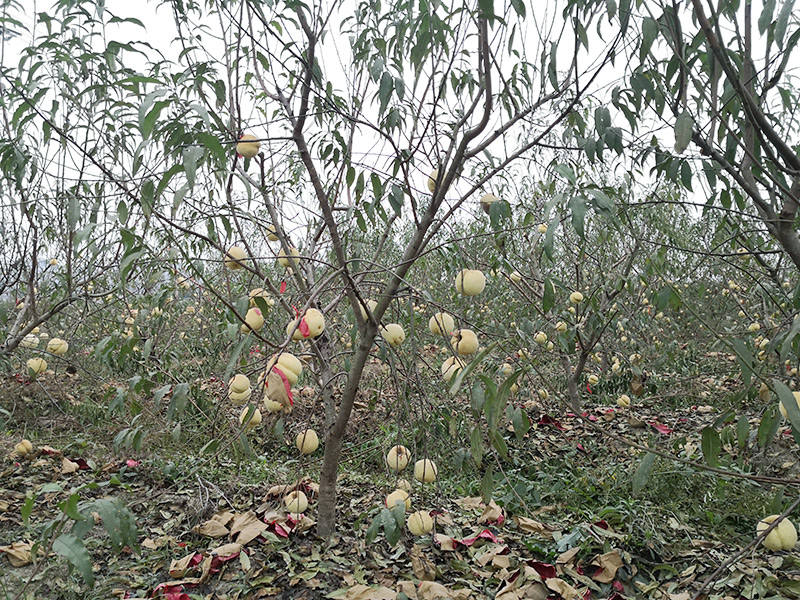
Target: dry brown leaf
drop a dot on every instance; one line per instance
(227, 550)
(445, 542)
(304, 523)
(470, 502)
(430, 590)
(423, 567)
(501, 561)
(610, 563)
(18, 553)
(248, 526)
(365, 592)
(491, 513)
(636, 422)
(562, 588)
(223, 517)
(178, 568)
(68, 467)
(211, 528)
(566, 557)
(150, 544)
(409, 588)
(534, 526)
(519, 590)
(488, 556)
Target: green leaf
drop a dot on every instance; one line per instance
(486, 9)
(783, 21)
(711, 445)
(396, 199)
(549, 296)
(191, 155)
(177, 404)
(159, 394)
(742, 431)
(684, 125)
(499, 443)
(789, 402)
(459, 377)
(73, 212)
(649, 35)
(70, 507)
(765, 18)
(745, 359)
(373, 529)
(476, 445)
(768, 426)
(162, 185)
(577, 206)
(521, 423)
(234, 359)
(487, 484)
(390, 528)
(71, 548)
(642, 475)
(109, 513)
(566, 172)
(385, 90)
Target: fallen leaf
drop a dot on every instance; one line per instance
(211, 528)
(248, 526)
(179, 568)
(609, 563)
(68, 467)
(365, 592)
(566, 557)
(18, 553)
(489, 555)
(227, 551)
(534, 526)
(422, 566)
(445, 542)
(471, 502)
(430, 590)
(492, 514)
(409, 588)
(562, 588)
(223, 517)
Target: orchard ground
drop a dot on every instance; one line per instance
(571, 508)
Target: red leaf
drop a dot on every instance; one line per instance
(588, 388)
(196, 559)
(545, 570)
(580, 447)
(278, 530)
(132, 463)
(486, 534)
(170, 592)
(283, 286)
(548, 420)
(617, 585)
(660, 428)
(601, 524)
(82, 464)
